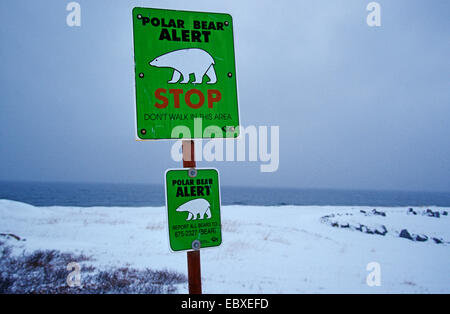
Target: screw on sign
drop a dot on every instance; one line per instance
(192, 172)
(196, 245)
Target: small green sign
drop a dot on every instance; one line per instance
(193, 208)
(185, 74)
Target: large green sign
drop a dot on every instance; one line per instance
(193, 208)
(185, 73)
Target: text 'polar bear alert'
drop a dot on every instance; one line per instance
(185, 62)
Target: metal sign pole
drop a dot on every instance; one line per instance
(193, 257)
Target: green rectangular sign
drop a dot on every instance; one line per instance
(193, 208)
(185, 74)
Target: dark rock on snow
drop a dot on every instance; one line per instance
(11, 235)
(405, 234)
(382, 232)
(422, 238)
(431, 213)
(379, 213)
(411, 211)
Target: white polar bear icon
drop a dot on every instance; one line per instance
(196, 207)
(185, 62)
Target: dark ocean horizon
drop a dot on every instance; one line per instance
(138, 195)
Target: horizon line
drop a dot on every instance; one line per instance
(230, 186)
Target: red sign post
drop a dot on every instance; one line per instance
(193, 257)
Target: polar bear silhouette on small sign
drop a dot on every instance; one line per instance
(184, 62)
(195, 208)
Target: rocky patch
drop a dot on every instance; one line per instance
(338, 221)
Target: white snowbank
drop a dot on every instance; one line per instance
(284, 249)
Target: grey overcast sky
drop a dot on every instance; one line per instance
(358, 107)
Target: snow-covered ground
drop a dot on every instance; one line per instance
(288, 249)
